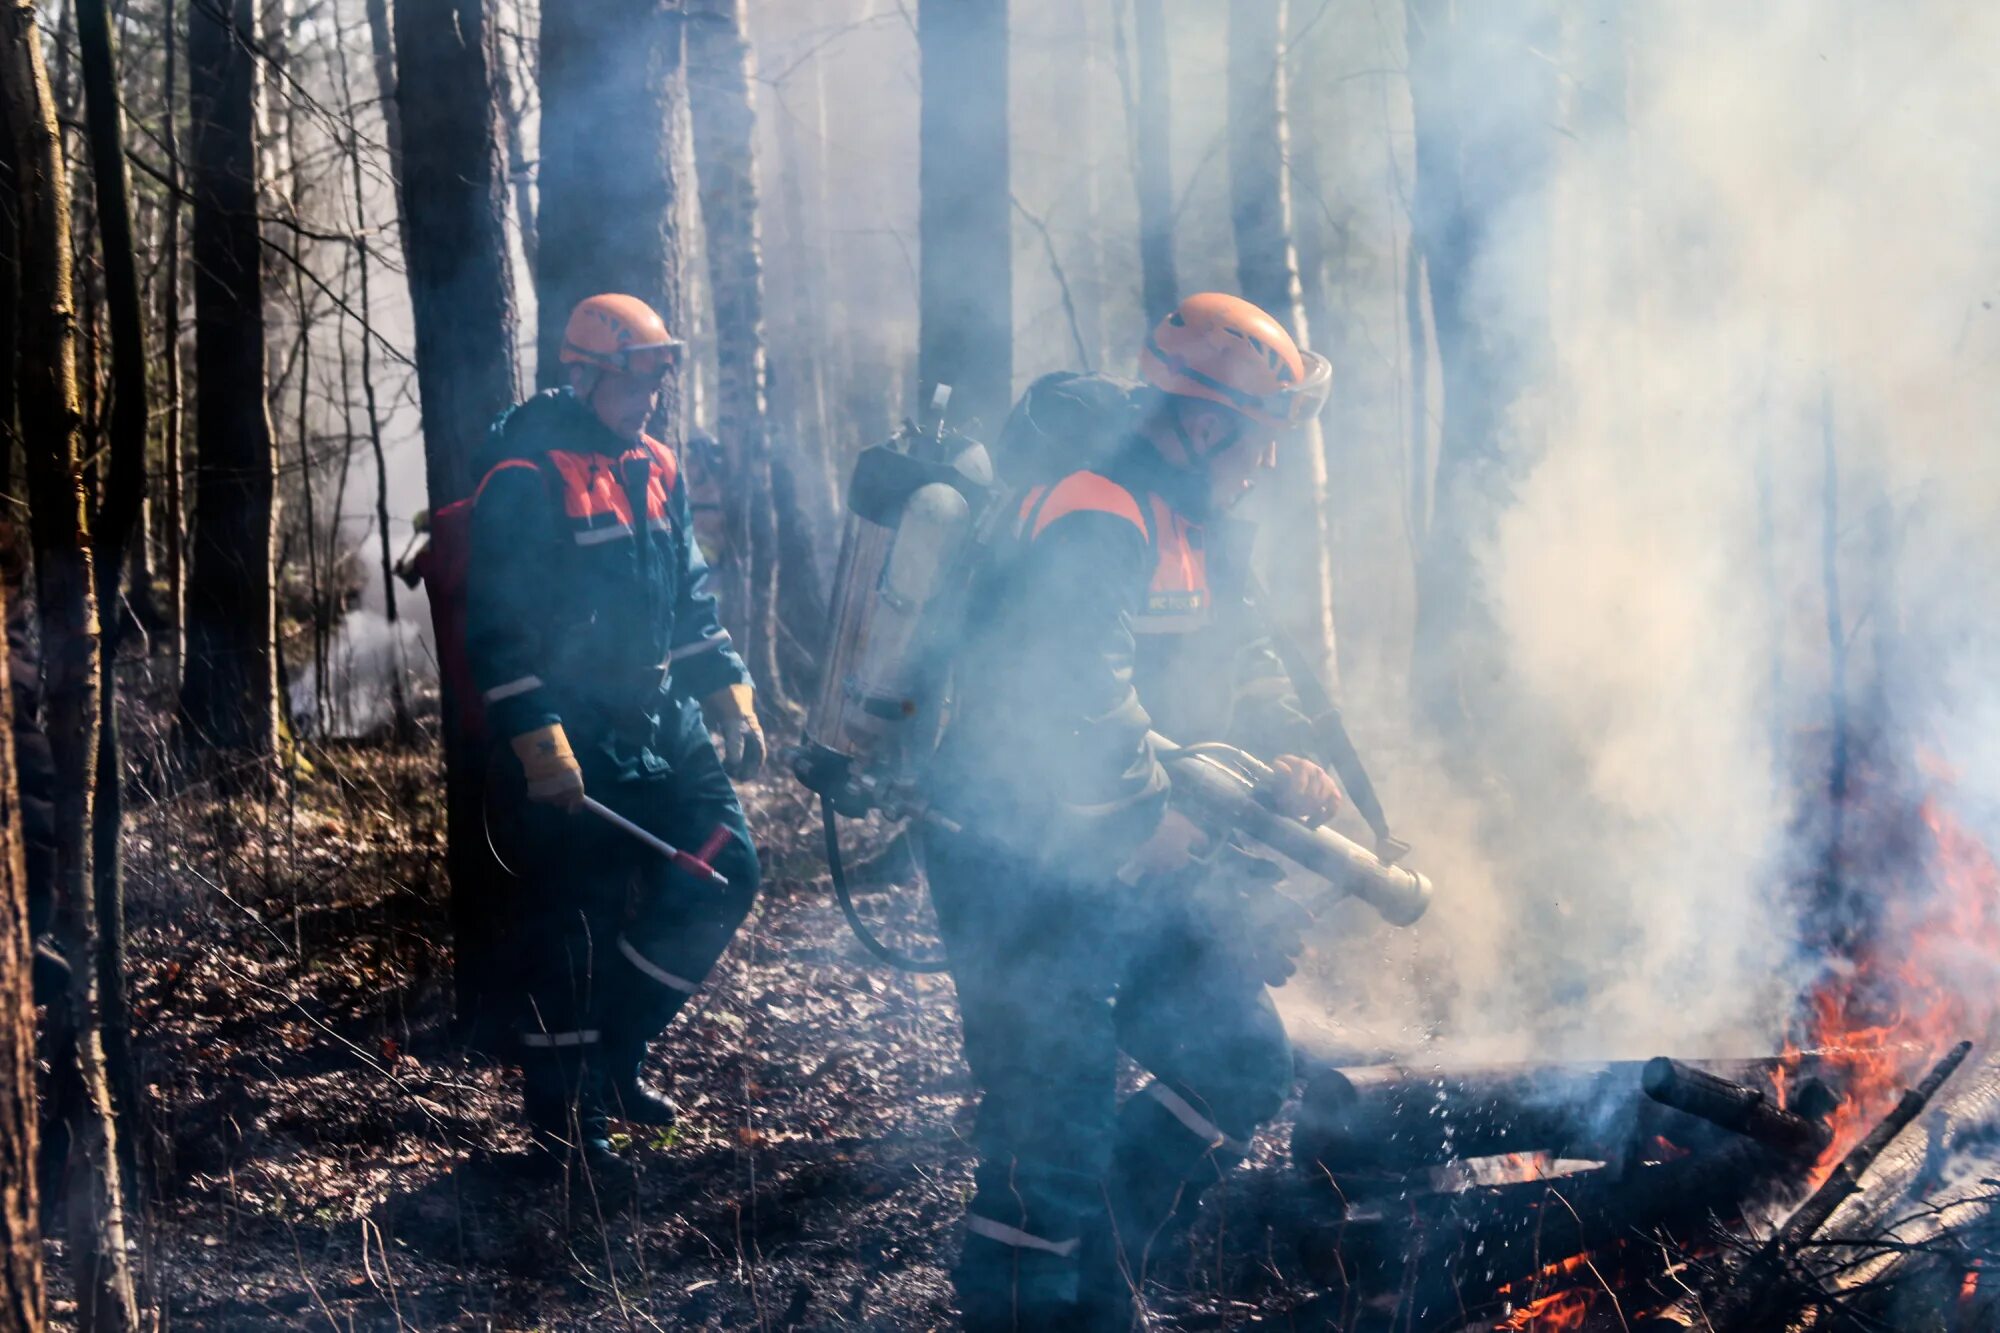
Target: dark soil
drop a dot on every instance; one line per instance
(324, 1157)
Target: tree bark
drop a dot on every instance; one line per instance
(117, 518)
(1152, 161)
(403, 725)
(454, 224)
(965, 217)
(520, 177)
(50, 419)
(462, 299)
(22, 1298)
(1483, 101)
(382, 54)
(611, 107)
(725, 131)
(229, 698)
(175, 402)
(10, 289)
(1268, 273)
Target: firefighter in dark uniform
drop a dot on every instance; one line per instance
(1075, 917)
(599, 659)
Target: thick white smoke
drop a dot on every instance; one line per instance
(1788, 229)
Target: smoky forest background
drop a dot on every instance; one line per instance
(1648, 543)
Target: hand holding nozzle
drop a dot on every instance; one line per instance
(695, 865)
(1222, 782)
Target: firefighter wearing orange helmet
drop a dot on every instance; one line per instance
(598, 655)
(1082, 915)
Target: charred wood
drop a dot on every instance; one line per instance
(1742, 1109)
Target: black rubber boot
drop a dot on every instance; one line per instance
(564, 1110)
(626, 1096)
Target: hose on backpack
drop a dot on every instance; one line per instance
(869, 941)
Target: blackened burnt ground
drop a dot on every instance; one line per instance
(325, 1159)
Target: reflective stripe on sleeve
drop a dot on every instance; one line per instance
(547, 1040)
(653, 970)
(1019, 1239)
(598, 536)
(512, 688)
(1197, 1124)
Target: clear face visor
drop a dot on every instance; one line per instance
(1304, 401)
(654, 363)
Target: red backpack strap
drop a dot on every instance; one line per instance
(494, 471)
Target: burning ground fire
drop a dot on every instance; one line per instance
(1920, 975)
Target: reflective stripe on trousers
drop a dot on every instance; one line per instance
(1196, 1123)
(551, 1040)
(654, 970)
(1019, 1239)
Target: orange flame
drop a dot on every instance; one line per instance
(1924, 981)
(1563, 1312)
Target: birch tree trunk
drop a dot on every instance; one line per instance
(1268, 273)
(117, 520)
(965, 215)
(1152, 161)
(725, 137)
(50, 418)
(229, 698)
(611, 105)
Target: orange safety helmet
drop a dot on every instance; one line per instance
(1224, 349)
(620, 333)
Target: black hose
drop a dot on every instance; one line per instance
(894, 958)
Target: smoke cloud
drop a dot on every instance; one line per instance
(1777, 238)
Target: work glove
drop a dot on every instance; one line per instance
(554, 776)
(1240, 906)
(1300, 789)
(732, 714)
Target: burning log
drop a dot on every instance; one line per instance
(1450, 1255)
(1800, 1131)
(1846, 1178)
(1758, 1291)
(1357, 1123)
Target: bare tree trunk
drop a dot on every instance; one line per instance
(175, 403)
(454, 222)
(229, 699)
(964, 224)
(1483, 101)
(462, 296)
(10, 299)
(513, 112)
(403, 724)
(1152, 160)
(611, 105)
(799, 379)
(49, 424)
(21, 1294)
(1267, 270)
(725, 131)
(117, 518)
(382, 51)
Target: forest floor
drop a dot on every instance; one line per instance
(324, 1156)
